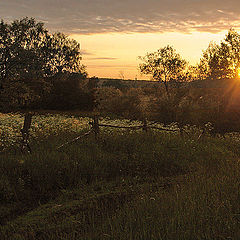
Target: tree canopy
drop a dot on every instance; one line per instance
(218, 61)
(29, 54)
(164, 65)
(222, 61)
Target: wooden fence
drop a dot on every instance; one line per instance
(95, 126)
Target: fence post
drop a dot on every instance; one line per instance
(145, 126)
(96, 126)
(181, 131)
(25, 132)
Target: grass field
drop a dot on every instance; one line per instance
(126, 185)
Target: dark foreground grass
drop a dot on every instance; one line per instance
(123, 186)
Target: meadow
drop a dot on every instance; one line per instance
(124, 185)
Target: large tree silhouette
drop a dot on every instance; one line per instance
(29, 54)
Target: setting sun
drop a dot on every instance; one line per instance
(238, 73)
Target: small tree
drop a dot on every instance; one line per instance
(164, 65)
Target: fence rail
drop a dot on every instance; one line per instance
(145, 126)
(94, 128)
(75, 139)
(124, 127)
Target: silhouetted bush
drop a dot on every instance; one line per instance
(194, 106)
(125, 104)
(68, 92)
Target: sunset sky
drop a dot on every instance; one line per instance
(114, 33)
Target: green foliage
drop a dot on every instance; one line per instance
(164, 65)
(68, 91)
(126, 185)
(221, 61)
(232, 40)
(29, 54)
(125, 104)
(47, 171)
(216, 62)
(183, 105)
(116, 83)
(202, 207)
(42, 127)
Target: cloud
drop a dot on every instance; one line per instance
(103, 58)
(112, 66)
(86, 53)
(101, 16)
(90, 54)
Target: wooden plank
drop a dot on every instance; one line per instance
(75, 139)
(114, 126)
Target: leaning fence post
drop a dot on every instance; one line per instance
(25, 132)
(96, 126)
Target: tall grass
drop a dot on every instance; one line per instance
(126, 185)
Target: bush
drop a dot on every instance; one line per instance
(68, 92)
(126, 104)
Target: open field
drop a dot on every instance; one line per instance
(125, 185)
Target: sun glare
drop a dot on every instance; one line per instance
(238, 73)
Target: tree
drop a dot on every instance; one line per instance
(29, 55)
(222, 61)
(121, 75)
(232, 40)
(19, 43)
(164, 65)
(216, 62)
(61, 54)
(68, 91)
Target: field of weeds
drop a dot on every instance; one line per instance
(124, 185)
